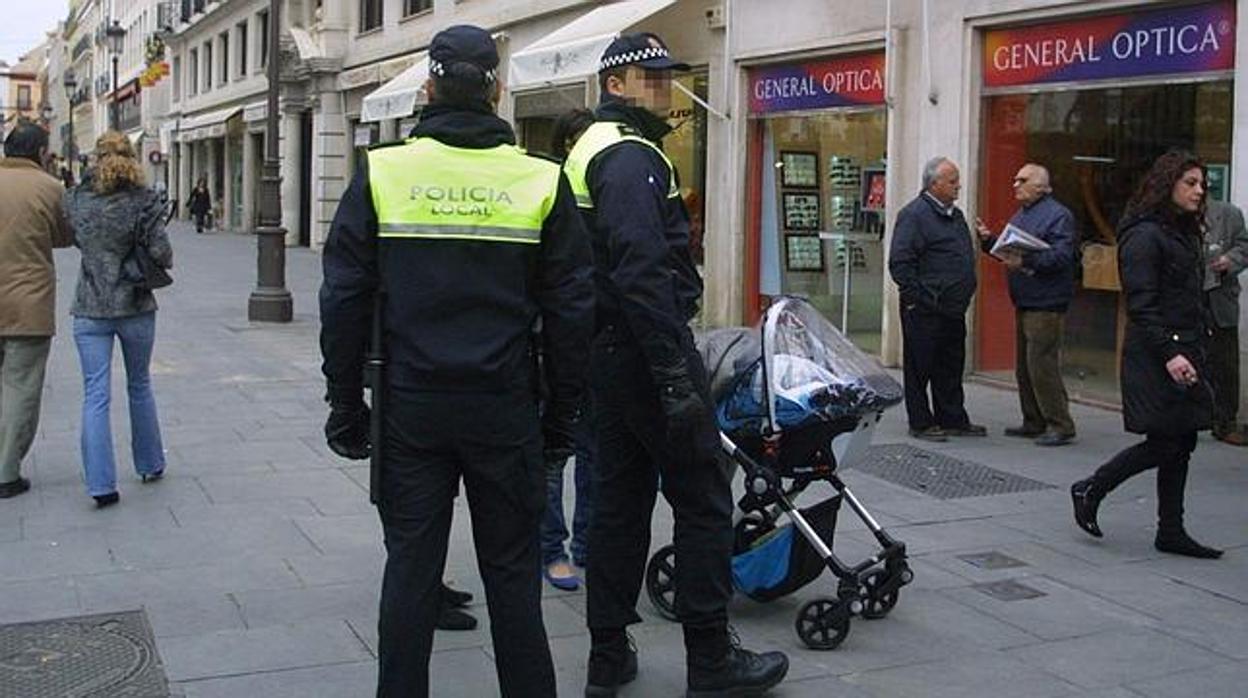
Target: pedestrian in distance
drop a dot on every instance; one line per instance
(464, 278)
(932, 261)
(200, 204)
(110, 216)
(1042, 284)
(32, 223)
(652, 407)
(559, 571)
(1226, 255)
(1165, 385)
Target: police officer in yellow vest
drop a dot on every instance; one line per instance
(471, 241)
(653, 414)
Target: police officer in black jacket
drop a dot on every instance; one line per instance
(652, 409)
(471, 241)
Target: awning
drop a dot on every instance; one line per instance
(399, 97)
(209, 125)
(572, 52)
(135, 136)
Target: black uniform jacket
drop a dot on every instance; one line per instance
(1161, 273)
(459, 314)
(644, 275)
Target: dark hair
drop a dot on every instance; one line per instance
(619, 71)
(568, 127)
(26, 140)
(1154, 197)
(464, 85)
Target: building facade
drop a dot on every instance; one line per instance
(799, 133)
(844, 102)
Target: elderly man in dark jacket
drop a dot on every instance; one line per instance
(1042, 284)
(1226, 255)
(932, 261)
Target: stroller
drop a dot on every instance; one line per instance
(795, 400)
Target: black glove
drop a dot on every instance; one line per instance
(558, 435)
(346, 431)
(682, 403)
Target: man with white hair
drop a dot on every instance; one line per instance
(1042, 284)
(932, 261)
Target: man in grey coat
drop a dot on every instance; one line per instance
(1226, 255)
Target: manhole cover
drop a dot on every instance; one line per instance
(991, 560)
(1008, 590)
(939, 475)
(111, 655)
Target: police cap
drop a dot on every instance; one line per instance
(463, 43)
(642, 49)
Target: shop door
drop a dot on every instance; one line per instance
(1096, 143)
(821, 215)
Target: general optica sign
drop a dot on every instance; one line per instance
(1185, 39)
(841, 82)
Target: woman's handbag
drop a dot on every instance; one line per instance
(139, 267)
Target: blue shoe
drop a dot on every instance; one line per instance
(561, 576)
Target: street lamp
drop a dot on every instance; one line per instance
(270, 301)
(70, 82)
(116, 44)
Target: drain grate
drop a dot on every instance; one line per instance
(111, 655)
(991, 560)
(939, 475)
(1008, 590)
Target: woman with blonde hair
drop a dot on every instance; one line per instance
(111, 213)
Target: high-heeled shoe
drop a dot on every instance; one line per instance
(1086, 500)
(106, 500)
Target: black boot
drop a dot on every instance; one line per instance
(455, 598)
(450, 618)
(718, 666)
(612, 662)
(1171, 484)
(1086, 497)
(1179, 543)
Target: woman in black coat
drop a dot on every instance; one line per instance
(1165, 395)
(199, 204)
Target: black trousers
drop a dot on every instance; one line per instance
(934, 353)
(635, 458)
(1169, 454)
(494, 443)
(1224, 377)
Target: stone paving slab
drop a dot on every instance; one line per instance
(258, 559)
(1111, 658)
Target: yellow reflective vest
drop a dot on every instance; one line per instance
(597, 138)
(425, 189)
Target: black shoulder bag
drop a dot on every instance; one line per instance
(139, 267)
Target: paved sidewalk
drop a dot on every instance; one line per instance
(258, 558)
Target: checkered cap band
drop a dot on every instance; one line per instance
(439, 69)
(630, 57)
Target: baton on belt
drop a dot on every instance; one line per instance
(375, 375)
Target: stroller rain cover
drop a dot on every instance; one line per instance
(804, 363)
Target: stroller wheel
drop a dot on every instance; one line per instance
(876, 603)
(661, 581)
(823, 624)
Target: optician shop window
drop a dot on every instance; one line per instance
(818, 160)
(1097, 139)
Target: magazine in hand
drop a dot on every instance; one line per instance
(1015, 240)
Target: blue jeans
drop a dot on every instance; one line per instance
(94, 337)
(554, 524)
